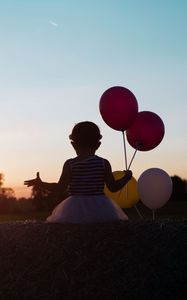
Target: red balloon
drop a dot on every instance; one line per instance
(146, 132)
(118, 107)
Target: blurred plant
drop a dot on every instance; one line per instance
(179, 189)
(7, 198)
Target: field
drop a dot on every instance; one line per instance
(135, 259)
(172, 210)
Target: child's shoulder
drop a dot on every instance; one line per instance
(105, 161)
(68, 161)
(100, 157)
(71, 161)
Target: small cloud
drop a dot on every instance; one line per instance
(53, 23)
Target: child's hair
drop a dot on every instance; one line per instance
(86, 134)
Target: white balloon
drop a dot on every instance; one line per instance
(154, 187)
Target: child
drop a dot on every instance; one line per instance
(84, 178)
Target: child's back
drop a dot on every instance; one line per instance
(84, 178)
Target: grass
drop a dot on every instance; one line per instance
(134, 259)
(128, 260)
(172, 210)
(34, 216)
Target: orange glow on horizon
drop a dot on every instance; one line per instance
(22, 191)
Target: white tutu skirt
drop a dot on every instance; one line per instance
(86, 209)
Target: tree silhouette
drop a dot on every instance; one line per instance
(5, 192)
(179, 192)
(38, 197)
(7, 198)
(46, 200)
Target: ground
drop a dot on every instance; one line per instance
(137, 259)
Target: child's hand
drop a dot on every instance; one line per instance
(128, 174)
(33, 182)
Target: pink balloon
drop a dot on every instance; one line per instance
(146, 132)
(118, 107)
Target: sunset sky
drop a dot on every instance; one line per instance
(56, 60)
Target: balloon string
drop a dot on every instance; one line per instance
(140, 215)
(125, 151)
(132, 158)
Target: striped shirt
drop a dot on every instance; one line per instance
(87, 176)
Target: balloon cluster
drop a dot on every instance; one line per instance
(119, 109)
(144, 131)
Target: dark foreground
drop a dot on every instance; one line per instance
(125, 260)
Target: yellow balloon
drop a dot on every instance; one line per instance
(126, 197)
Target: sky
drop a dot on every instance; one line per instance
(57, 57)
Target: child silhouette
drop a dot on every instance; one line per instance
(84, 178)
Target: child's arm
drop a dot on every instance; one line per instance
(53, 187)
(112, 184)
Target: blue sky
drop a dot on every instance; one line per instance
(58, 57)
